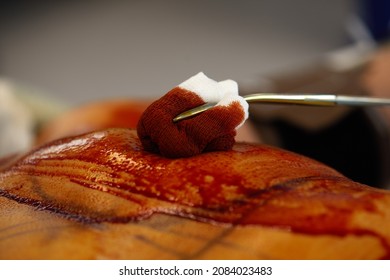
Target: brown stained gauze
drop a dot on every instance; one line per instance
(212, 130)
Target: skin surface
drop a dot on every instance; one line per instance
(93, 116)
(101, 196)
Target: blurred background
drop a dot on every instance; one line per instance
(83, 50)
(56, 55)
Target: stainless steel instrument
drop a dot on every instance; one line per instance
(296, 99)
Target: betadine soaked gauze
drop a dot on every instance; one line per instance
(212, 130)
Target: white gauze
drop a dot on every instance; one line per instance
(223, 93)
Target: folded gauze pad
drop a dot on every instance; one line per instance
(212, 130)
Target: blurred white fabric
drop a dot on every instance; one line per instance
(16, 122)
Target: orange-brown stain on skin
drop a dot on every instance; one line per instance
(249, 185)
